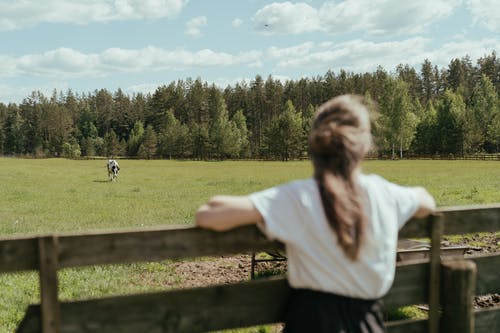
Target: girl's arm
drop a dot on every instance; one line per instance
(427, 203)
(223, 212)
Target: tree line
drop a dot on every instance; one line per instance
(430, 110)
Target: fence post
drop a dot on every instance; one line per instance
(459, 282)
(436, 226)
(48, 262)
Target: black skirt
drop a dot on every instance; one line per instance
(320, 312)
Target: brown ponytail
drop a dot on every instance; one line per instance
(339, 139)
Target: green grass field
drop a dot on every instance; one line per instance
(67, 196)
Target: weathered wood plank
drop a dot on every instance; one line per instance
(415, 228)
(487, 320)
(203, 309)
(47, 259)
(407, 326)
(159, 245)
(411, 285)
(31, 324)
(459, 277)
(164, 243)
(436, 230)
(18, 254)
(188, 310)
(469, 219)
(457, 220)
(135, 246)
(488, 279)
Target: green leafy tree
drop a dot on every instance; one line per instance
(200, 138)
(173, 140)
(285, 136)
(489, 65)
(240, 122)
(484, 108)
(426, 136)
(223, 133)
(71, 149)
(14, 135)
(428, 81)
(3, 118)
(494, 132)
(149, 144)
(111, 144)
(135, 139)
(32, 110)
(450, 115)
(256, 100)
(397, 124)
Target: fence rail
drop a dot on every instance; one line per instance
(236, 305)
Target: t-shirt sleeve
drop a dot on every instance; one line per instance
(277, 209)
(406, 201)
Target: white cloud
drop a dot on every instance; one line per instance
(193, 26)
(144, 88)
(368, 16)
(458, 49)
(13, 94)
(356, 55)
(65, 62)
(28, 13)
(285, 17)
(293, 51)
(237, 22)
(364, 56)
(486, 13)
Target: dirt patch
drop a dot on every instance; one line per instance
(222, 270)
(208, 271)
(479, 243)
(487, 301)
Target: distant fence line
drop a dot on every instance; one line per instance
(474, 157)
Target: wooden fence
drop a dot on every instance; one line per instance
(448, 287)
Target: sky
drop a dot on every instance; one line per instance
(138, 45)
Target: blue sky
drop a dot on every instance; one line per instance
(137, 45)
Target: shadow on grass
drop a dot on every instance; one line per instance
(101, 181)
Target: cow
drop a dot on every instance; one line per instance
(113, 170)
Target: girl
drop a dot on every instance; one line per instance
(340, 227)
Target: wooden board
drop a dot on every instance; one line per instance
(203, 309)
(137, 245)
(487, 320)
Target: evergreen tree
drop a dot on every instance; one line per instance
(397, 124)
(111, 144)
(410, 76)
(122, 120)
(285, 136)
(428, 81)
(484, 108)
(173, 140)
(14, 136)
(135, 139)
(200, 139)
(426, 136)
(490, 66)
(239, 121)
(254, 115)
(148, 147)
(450, 113)
(3, 118)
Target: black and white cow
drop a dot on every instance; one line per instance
(113, 170)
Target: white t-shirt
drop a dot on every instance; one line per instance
(293, 214)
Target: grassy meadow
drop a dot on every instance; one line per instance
(68, 196)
